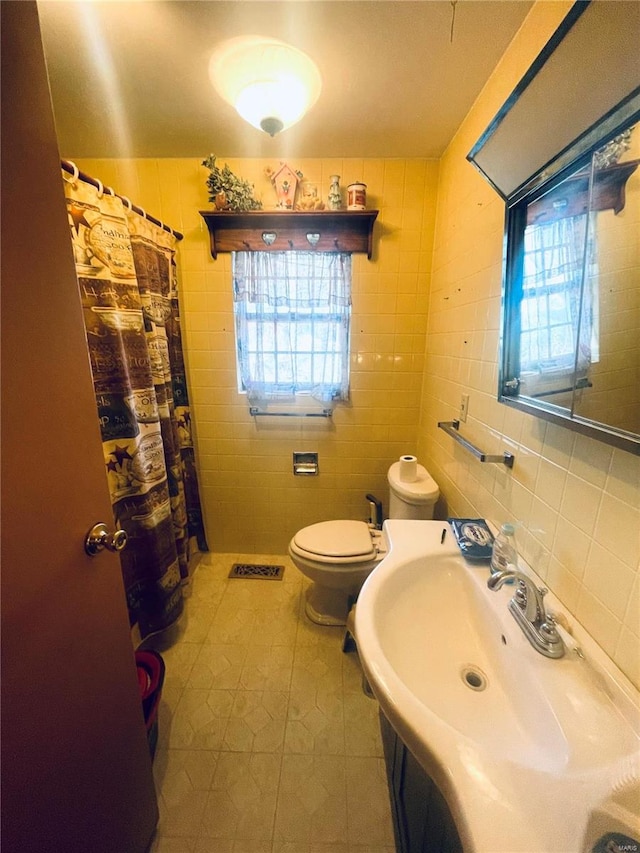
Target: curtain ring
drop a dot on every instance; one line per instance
(143, 212)
(110, 191)
(76, 173)
(127, 202)
(100, 187)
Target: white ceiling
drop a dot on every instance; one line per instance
(131, 78)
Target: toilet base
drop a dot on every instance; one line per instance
(326, 606)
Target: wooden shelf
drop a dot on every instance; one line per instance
(571, 197)
(336, 230)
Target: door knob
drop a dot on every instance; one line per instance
(99, 537)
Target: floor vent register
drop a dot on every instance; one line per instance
(262, 571)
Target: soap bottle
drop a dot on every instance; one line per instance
(504, 553)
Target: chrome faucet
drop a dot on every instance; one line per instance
(527, 608)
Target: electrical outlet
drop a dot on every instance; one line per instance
(464, 407)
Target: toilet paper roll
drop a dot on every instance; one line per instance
(408, 469)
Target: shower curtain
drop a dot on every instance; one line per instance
(126, 272)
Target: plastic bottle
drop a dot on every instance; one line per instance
(504, 553)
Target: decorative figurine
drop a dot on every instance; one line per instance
(308, 197)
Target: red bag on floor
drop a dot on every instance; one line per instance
(150, 667)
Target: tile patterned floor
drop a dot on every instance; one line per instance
(267, 743)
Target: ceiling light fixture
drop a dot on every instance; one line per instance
(270, 83)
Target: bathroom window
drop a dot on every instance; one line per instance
(292, 316)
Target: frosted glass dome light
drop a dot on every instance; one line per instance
(271, 84)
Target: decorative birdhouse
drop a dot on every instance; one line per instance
(285, 181)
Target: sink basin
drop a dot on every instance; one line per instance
(526, 750)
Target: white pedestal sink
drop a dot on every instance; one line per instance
(531, 754)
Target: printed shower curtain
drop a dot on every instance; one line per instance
(127, 277)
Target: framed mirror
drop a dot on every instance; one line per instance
(571, 319)
(570, 330)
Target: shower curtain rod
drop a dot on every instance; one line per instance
(70, 166)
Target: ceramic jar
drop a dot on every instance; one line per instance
(357, 196)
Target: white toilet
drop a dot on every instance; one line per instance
(338, 555)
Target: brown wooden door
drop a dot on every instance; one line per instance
(76, 770)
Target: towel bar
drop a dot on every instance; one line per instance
(255, 412)
(452, 427)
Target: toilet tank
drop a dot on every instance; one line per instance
(414, 500)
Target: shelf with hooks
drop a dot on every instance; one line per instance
(286, 230)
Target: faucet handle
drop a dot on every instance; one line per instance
(520, 593)
(529, 598)
(549, 628)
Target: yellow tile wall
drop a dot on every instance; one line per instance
(252, 501)
(577, 500)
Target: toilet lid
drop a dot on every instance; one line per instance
(336, 539)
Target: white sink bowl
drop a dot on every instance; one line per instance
(532, 754)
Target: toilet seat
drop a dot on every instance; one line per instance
(335, 542)
(337, 557)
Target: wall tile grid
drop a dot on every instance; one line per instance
(575, 499)
(252, 501)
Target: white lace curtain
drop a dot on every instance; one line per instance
(559, 326)
(293, 313)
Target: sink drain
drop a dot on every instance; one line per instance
(474, 678)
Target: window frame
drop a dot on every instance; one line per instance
(292, 318)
